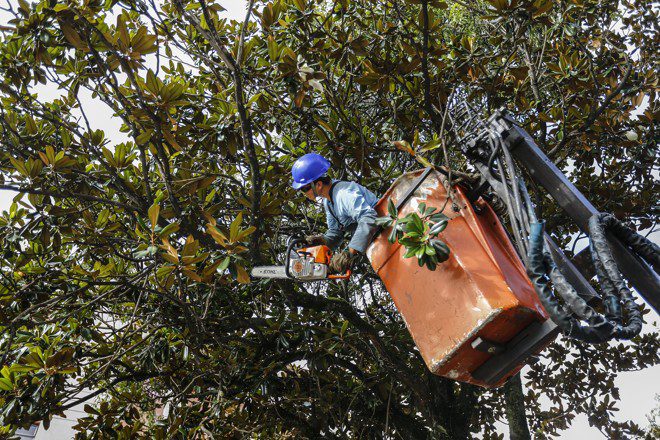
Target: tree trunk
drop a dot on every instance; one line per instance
(515, 409)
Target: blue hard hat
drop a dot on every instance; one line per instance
(308, 168)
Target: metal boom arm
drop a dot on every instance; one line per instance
(574, 203)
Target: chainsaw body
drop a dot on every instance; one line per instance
(310, 263)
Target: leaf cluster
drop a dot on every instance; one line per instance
(418, 232)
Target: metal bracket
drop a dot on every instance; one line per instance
(527, 342)
(489, 347)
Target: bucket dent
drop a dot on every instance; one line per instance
(481, 291)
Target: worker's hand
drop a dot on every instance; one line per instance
(342, 261)
(314, 240)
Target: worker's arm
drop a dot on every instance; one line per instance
(365, 217)
(334, 235)
(363, 233)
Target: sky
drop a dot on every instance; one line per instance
(637, 392)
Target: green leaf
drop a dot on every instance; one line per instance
(18, 368)
(273, 49)
(391, 209)
(438, 227)
(438, 217)
(72, 37)
(441, 250)
(499, 5)
(34, 358)
(19, 166)
(541, 7)
(410, 252)
(91, 410)
(432, 145)
(140, 254)
(344, 326)
(245, 232)
(301, 5)
(169, 229)
(235, 227)
(224, 265)
(152, 83)
(6, 384)
(417, 223)
(102, 218)
(385, 222)
(165, 270)
(122, 31)
(109, 157)
(154, 212)
(392, 236)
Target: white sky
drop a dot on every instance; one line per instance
(637, 388)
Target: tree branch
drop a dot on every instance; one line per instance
(61, 195)
(595, 113)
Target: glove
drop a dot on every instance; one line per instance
(314, 240)
(341, 262)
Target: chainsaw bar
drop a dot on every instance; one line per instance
(269, 272)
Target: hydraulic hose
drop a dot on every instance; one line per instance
(642, 246)
(599, 329)
(575, 311)
(617, 294)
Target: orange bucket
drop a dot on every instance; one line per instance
(481, 291)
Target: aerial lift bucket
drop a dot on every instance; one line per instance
(476, 318)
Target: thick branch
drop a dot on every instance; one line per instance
(339, 305)
(515, 409)
(246, 124)
(132, 377)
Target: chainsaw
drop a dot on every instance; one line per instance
(302, 264)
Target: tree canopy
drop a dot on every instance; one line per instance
(124, 264)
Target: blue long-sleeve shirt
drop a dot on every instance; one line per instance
(351, 209)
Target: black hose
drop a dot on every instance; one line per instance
(599, 329)
(617, 298)
(617, 294)
(641, 245)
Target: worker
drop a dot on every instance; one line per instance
(349, 208)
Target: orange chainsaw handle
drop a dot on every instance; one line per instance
(340, 277)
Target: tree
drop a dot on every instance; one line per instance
(653, 429)
(124, 264)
